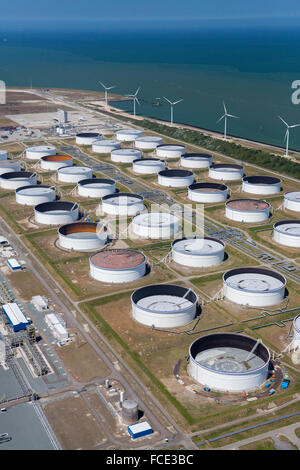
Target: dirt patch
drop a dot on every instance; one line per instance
(76, 428)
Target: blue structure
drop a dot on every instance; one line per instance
(139, 430)
(15, 316)
(14, 264)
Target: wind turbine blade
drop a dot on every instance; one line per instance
(283, 121)
(102, 85)
(137, 91)
(224, 108)
(285, 136)
(167, 100)
(294, 125)
(222, 117)
(111, 87)
(137, 101)
(175, 102)
(231, 115)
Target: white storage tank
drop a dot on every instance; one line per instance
(128, 135)
(263, 185)
(117, 265)
(96, 187)
(35, 194)
(148, 166)
(226, 171)
(87, 138)
(155, 225)
(164, 305)
(9, 165)
(39, 151)
(82, 236)
(17, 179)
(198, 252)
(254, 287)
(125, 155)
(296, 336)
(149, 142)
(207, 192)
(73, 174)
(54, 162)
(123, 204)
(170, 151)
(56, 212)
(196, 160)
(175, 178)
(229, 362)
(291, 200)
(3, 154)
(105, 146)
(287, 232)
(247, 210)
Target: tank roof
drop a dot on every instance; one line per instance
(289, 227)
(56, 158)
(175, 173)
(207, 187)
(261, 179)
(254, 279)
(117, 258)
(198, 245)
(248, 204)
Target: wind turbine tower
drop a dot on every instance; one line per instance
(225, 116)
(287, 134)
(106, 88)
(135, 99)
(172, 106)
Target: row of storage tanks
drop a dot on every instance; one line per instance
(167, 306)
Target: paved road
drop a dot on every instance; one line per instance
(288, 431)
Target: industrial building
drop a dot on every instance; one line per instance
(39, 151)
(148, 166)
(57, 326)
(291, 200)
(125, 155)
(155, 225)
(264, 185)
(16, 318)
(247, 210)
(87, 138)
(40, 303)
(229, 362)
(17, 179)
(117, 265)
(105, 146)
(9, 165)
(62, 116)
(170, 151)
(56, 212)
(226, 171)
(73, 174)
(196, 160)
(198, 252)
(207, 192)
(96, 187)
(128, 135)
(287, 232)
(175, 178)
(164, 305)
(14, 264)
(82, 236)
(138, 430)
(254, 287)
(35, 194)
(149, 142)
(123, 204)
(54, 162)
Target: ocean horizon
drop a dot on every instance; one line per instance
(251, 70)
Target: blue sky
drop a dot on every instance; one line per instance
(130, 11)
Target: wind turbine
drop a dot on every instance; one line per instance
(225, 116)
(106, 88)
(135, 99)
(172, 105)
(287, 134)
